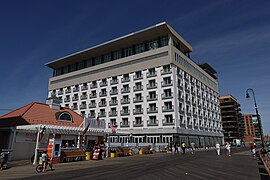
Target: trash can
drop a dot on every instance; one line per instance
(112, 155)
(130, 152)
(87, 156)
(140, 152)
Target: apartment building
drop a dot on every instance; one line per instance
(231, 118)
(145, 83)
(252, 130)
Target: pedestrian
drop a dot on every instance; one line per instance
(251, 145)
(50, 162)
(255, 145)
(176, 148)
(253, 153)
(2, 160)
(228, 148)
(183, 147)
(192, 144)
(44, 159)
(218, 148)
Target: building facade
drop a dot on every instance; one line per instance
(146, 84)
(231, 118)
(252, 130)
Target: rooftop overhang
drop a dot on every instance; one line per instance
(128, 40)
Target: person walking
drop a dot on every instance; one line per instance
(218, 148)
(2, 160)
(183, 147)
(176, 148)
(192, 144)
(228, 148)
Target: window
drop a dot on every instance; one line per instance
(152, 71)
(138, 75)
(107, 57)
(152, 83)
(138, 97)
(152, 95)
(81, 65)
(125, 109)
(167, 92)
(164, 41)
(117, 55)
(128, 52)
(140, 48)
(138, 120)
(153, 44)
(152, 107)
(152, 119)
(169, 118)
(97, 60)
(65, 116)
(138, 86)
(125, 121)
(103, 82)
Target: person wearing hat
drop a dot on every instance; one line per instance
(44, 159)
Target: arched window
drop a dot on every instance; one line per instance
(65, 116)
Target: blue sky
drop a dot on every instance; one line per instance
(232, 36)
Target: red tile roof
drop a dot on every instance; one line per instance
(38, 113)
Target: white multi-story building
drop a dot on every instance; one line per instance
(147, 84)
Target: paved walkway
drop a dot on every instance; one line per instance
(202, 165)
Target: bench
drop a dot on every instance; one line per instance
(76, 154)
(266, 162)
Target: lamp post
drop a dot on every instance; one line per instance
(257, 113)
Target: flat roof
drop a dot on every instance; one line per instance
(149, 33)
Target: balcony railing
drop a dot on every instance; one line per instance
(67, 100)
(92, 86)
(125, 101)
(151, 74)
(102, 104)
(122, 124)
(76, 89)
(151, 98)
(125, 90)
(68, 91)
(112, 103)
(152, 122)
(60, 92)
(102, 114)
(92, 95)
(102, 84)
(137, 77)
(167, 108)
(75, 98)
(151, 86)
(168, 122)
(138, 111)
(83, 106)
(166, 83)
(167, 96)
(92, 105)
(83, 96)
(102, 94)
(137, 124)
(152, 110)
(137, 88)
(113, 92)
(84, 87)
(136, 100)
(74, 107)
(112, 113)
(125, 79)
(114, 81)
(125, 112)
(166, 71)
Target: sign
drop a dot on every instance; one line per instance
(254, 120)
(95, 123)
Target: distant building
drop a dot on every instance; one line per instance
(231, 118)
(147, 84)
(252, 130)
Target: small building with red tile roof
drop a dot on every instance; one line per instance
(37, 123)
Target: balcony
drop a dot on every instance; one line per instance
(138, 111)
(75, 98)
(76, 89)
(125, 90)
(152, 98)
(102, 114)
(67, 100)
(102, 104)
(127, 79)
(83, 96)
(123, 125)
(83, 106)
(168, 122)
(102, 94)
(125, 101)
(152, 110)
(112, 113)
(167, 96)
(167, 108)
(138, 99)
(151, 74)
(151, 86)
(137, 124)
(92, 96)
(92, 105)
(137, 88)
(181, 110)
(68, 91)
(74, 107)
(84, 87)
(180, 85)
(125, 112)
(113, 103)
(166, 83)
(137, 77)
(113, 92)
(60, 92)
(114, 81)
(92, 86)
(102, 84)
(166, 71)
(152, 122)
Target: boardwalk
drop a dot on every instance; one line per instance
(202, 165)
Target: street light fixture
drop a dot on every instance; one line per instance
(257, 113)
